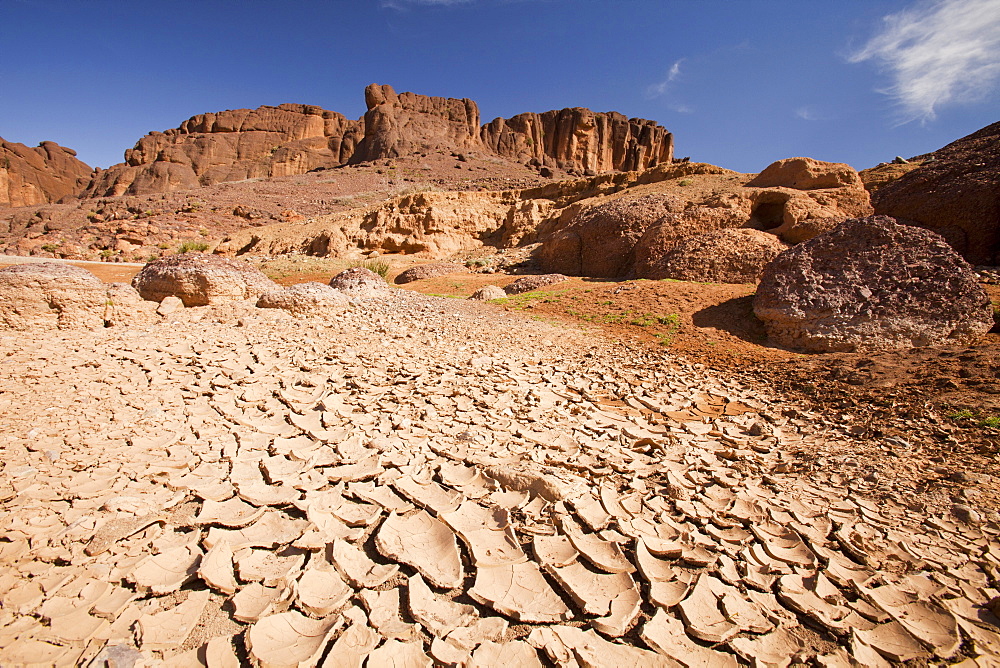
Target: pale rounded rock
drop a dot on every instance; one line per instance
(200, 280)
(305, 298)
(724, 256)
(51, 295)
(357, 279)
(488, 293)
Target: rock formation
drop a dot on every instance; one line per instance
(358, 279)
(430, 270)
(488, 293)
(231, 146)
(52, 295)
(39, 175)
(530, 283)
(295, 138)
(580, 140)
(734, 255)
(871, 284)
(198, 280)
(305, 299)
(397, 125)
(955, 192)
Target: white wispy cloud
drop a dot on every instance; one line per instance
(939, 53)
(403, 4)
(658, 89)
(809, 113)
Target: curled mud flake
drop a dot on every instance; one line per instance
(289, 640)
(425, 543)
(519, 591)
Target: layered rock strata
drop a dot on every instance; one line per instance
(296, 138)
(39, 175)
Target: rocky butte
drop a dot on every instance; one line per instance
(39, 175)
(294, 139)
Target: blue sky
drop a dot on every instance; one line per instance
(740, 83)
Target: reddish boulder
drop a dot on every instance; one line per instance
(530, 283)
(723, 256)
(806, 174)
(358, 279)
(40, 175)
(955, 192)
(198, 279)
(430, 270)
(871, 284)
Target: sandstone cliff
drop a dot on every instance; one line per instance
(397, 125)
(231, 146)
(39, 175)
(293, 139)
(580, 140)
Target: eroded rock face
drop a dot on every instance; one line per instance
(39, 175)
(581, 140)
(230, 146)
(357, 279)
(600, 240)
(199, 280)
(305, 299)
(871, 284)
(430, 270)
(724, 256)
(406, 123)
(957, 194)
(51, 295)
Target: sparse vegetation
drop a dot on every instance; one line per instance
(51, 248)
(192, 246)
(380, 267)
(685, 182)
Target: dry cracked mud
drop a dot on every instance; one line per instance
(423, 481)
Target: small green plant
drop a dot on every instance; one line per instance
(203, 232)
(163, 245)
(50, 248)
(478, 262)
(189, 246)
(380, 267)
(106, 253)
(685, 182)
(993, 422)
(964, 414)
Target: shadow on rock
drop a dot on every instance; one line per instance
(734, 316)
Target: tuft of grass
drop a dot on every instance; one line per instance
(195, 246)
(685, 182)
(992, 422)
(380, 267)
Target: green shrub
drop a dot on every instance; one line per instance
(188, 246)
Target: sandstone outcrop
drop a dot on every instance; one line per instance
(53, 295)
(406, 123)
(871, 284)
(735, 255)
(305, 299)
(580, 140)
(231, 146)
(955, 192)
(529, 283)
(295, 138)
(39, 175)
(430, 270)
(199, 279)
(806, 174)
(358, 279)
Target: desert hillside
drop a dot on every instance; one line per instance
(290, 389)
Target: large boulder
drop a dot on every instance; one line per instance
(599, 241)
(430, 270)
(305, 299)
(199, 280)
(358, 279)
(723, 256)
(806, 174)
(871, 284)
(488, 293)
(51, 295)
(531, 283)
(955, 192)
